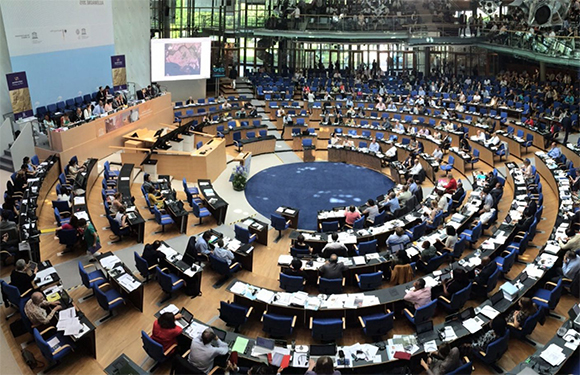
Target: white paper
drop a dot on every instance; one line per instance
(471, 325)
(170, 308)
(66, 314)
(489, 311)
(238, 288)
(53, 342)
(430, 346)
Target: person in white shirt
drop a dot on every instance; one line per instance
(391, 153)
(437, 154)
(479, 137)
(416, 169)
(493, 141)
(476, 98)
(374, 146)
(487, 214)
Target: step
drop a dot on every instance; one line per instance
(6, 159)
(6, 167)
(7, 152)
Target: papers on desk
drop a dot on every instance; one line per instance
(449, 334)
(128, 282)
(299, 298)
(208, 192)
(282, 299)
(53, 342)
(195, 329)
(169, 252)
(79, 200)
(553, 354)
(66, 314)
(109, 262)
(240, 345)
(552, 248)
(125, 178)
(280, 357)
(44, 277)
(487, 245)
(534, 271)
(412, 251)
(571, 339)
(489, 311)
(285, 259)
(233, 245)
(312, 303)
(472, 325)
(83, 215)
(170, 308)
(430, 281)
(265, 295)
(547, 260)
(359, 260)
(430, 346)
(69, 322)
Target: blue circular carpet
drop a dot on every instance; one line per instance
(311, 187)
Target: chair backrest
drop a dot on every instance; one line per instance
(460, 298)
(370, 281)
(327, 329)
(299, 252)
(164, 280)
(531, 321)
(152, 348)
(426, 312)
(555, 295)
(497, 348)
(277, 325)
(418, 230)
(492, 281)
(359, 223)
(380, 218)
(291, 283)
(367, 247)
(62, 206)
(232, 314)
(84, 276)
(67, 236)
(509, 261)
(330, 226)
(12, 293)
(451, 160)
(278, 222)
(219, 265)
(464, 369)
(242, 234)
(380, 324)
(45, 349)
(141, 265)
(307, 142)
(101, 298)
(330, 286)
(459, 247)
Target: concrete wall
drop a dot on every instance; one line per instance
(181, 90)
(5, 67)
(132, 34)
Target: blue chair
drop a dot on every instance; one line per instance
(422, 314)
(366, 247)
(457, 300)
(55, 352)
(330, 286)
(237, 138)
(377, 325)
(234, 315)
(380, 218)
(472, 235)
(200, 212)
(67, 237)
(169, 282)
(449, 166)
(494, 352)
(465, 369)
(359, 223)
(143, 266)
(155, 350)
(327, 329)
(491, 282)
(117, 230)
(243, 234)
(329, 226)
(432, 264)
(277, 325)
(109, 171)
(279, 223)
(162, 219)
(191, 190)
(291, 283)
(60, 221)
(417, 231)
(549, 296)
(109, 299)
(13, 295)
(501, 152)
(458, 248)
(91, 279)
(529, 141)
(527, 327)
(199, 145)
(436, 222)
(369, 281)
(222, 267)
(475, 158)
(506, 261)
(34, 160)
(307, 143)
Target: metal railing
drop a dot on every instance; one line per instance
(559, 46)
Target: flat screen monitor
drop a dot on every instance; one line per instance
(180, 59)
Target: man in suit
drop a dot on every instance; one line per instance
(567, 126)
(458, 192)
(525, 222)
(483, 273)
(332, 269)
(532, 207)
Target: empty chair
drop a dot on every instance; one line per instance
(291, 283)
(490, 283)
(68, 237)
(369, 281)
(494, 351)
(90, 279)
(330, 286)
(472, 235)
(501, 151)
(143, 266)
(422, 314)
(243, 234)
(60, 221)
(298, 253)
(112, 173)
(53, 345)
(549, 296)
(367, 247)
(327, 329)
(277, 325)
(449, 166)
(279, 223)
(155, 350)
(377, 325)
(329, 226)
(162, 219)
(233, 314)
(108, 298)
(457, 300)
(506, 260)
(417, 231)
(169, 282)
(380, 218)
(475, 158)
(200, 212)
(13, 295)
(222, 267)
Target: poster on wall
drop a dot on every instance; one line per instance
(19, 95)
(119, 71)
(119, 120)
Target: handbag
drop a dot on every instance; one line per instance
(29, 359)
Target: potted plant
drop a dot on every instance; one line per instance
(239, 178)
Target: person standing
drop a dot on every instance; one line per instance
(91, 238)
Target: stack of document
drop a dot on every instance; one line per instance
(285, 259)
(238, 288)
(534, 271)
(109, 262)
(265, 295)
(169, 252)
(449, 334)
(553, 355)
(299, 299)
(312, 303)
(129, 282)
(489, 311)
(359, 260)
(195, 329)
(69, 322)
(472, 325)
(170, 308)
(282, 299)
(510, 291)
(79, 200)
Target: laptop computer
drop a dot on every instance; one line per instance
(186, 262)
(186, 318)
(496, 297)
(425, 332)
(317, 351)
(265, 343)
(220, 333)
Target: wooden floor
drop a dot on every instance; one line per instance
(122, 333)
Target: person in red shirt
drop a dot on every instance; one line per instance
(165, 331)
(451, 185)
(351, 215)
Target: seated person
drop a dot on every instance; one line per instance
(295, 269)
(570, 266)
(223, 254)
(165, 331)
(496, 193)
(397, 238)
(115, 202)
(374, 146)
(401, 258)
(31, 167)
(323, 365)
(464, 145)
(152, 254)
(482, 340)
(419, 295)
(391, 204)
(204, 349)
(35, 309)
(437, 154)
(486, 216)
(6, 224)
(404, 195)
(554, 151)
(483, 272)
(455, 284)
(371, 211)
(22, 276)
(155, 200)
(524, 309)
(121, 218)
(451, 239)
(458, 192)
(64, 120)
(74, 169)
(416, 169)
(451, 185)
(148, 183)
(334, 247)
(332, 269)
(571, 241)
(493, 141)
(301, 244)
(351, 215)
(443, 361)
(413, 187)
(525, 222)
(428, 251)
(527, 168)
(202, 245)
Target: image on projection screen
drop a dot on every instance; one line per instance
(182, 59)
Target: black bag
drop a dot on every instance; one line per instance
(29, 359)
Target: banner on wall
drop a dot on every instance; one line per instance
(119, 72)
(19, 94)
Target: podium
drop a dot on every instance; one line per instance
(309, 154)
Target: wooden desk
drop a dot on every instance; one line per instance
(344, 155)
(297, 141)
(485, 154)
(515, 148)
(259, 145)
(217, 207)
(289, 213)
(459, 162)
(91, 139)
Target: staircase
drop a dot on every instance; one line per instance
(6, 160)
